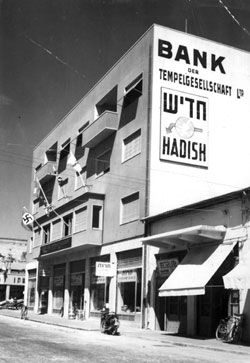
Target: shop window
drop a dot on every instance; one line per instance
(107, 103)
(56, 230)
(99, 290)
(129, 291)
(81, 219)
(31, 287)
(103, 163)
(130, 208)
(133, 91)
(97, 217)
(46, 234)
(234, 302)
(58, 287)
(67, 225)
(131, 146)
(77, 279)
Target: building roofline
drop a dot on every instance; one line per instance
(118, 61)
(197, 205)
(96, 84)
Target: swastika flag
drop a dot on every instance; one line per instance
(27, 221)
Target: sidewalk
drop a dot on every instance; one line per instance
(130, 331)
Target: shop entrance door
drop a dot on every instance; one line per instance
(44, 301)
(176, 315)
(211, 307)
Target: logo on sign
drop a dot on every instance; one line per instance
(183, 127)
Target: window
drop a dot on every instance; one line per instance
(96, 217)
(133, 91)
(130, 208)
(64, 156)
(80, 150)
(81, 219)
(131, 145)
(80, 179)
(51, 153)
(107, 103)
(67, 225)
(56, 230)
(62, 187)
(103, 162)
(46, 234)
(47, 188)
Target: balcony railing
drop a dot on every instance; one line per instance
(46, 172)
(100, 129)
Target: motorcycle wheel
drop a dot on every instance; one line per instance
(221, 331)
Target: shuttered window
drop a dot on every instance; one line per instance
(81, 219)
(132, 145)
(130, 208)
(56, 230)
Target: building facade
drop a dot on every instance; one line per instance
(146, 139)
(12, 268)
(193, 254)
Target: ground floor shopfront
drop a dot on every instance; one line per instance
(189, 255)
(59, 284)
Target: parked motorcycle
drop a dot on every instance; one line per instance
(109, 322)
(14, 304)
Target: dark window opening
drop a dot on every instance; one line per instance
(133, 91)
(96, 220)
(51, 154)
(64, 156)
(108, 102)
(103, 162)
(46, 234)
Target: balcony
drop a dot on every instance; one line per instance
(56, 246)
(78, 241)
(100, 129)
(46, 172)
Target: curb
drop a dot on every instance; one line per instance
(171, 342)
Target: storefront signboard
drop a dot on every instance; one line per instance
(58, 281)
(76, 280)
(127, 276)
(167, 266)
(105, 269)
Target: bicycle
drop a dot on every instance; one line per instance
(230, 329)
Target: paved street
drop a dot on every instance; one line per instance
(33, 342)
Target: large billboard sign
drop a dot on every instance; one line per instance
(187, 73)
(184, 131)
(199, 121)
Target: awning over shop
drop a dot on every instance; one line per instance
(208, 248)
(239, 277)
(187, 236)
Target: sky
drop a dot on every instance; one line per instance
(53, 51)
